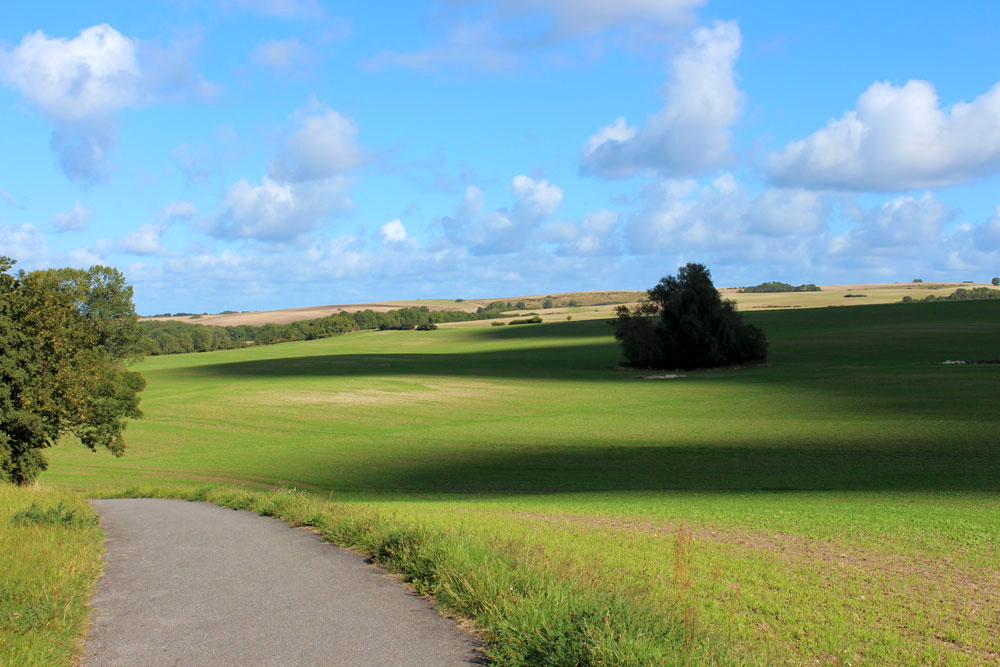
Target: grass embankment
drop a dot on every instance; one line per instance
(839, 506)
(49, 560)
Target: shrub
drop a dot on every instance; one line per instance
(426, 326)
(696, 328)
(498, 324)
(547, 303)
(531, 320)
(520, 305)
(995, 282)
(918, 280)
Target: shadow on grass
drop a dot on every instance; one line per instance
(629, 468)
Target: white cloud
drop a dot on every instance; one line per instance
(470, 45)
(325, 145)
(534, 200)
(897, 138)
(81, 83)
(394, 233)
(73, 220)
(692, 131)
(145, 240)
(179, 210)
(783, 211)
(281, 55)
(594, 235)
(502, 231)
(582, 17)
(24, 243)
(277, 211)
(282, 9)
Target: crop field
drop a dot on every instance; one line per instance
(837, 506)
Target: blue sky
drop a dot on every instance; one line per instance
(250, 154)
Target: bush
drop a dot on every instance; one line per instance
(547, 303)
(426, 326)
(498, 324)
(696, 328)
(995, 282)
(531, 320)
(918, 280)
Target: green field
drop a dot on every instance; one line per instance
(840, 505)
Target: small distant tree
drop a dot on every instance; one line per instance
(918, 280)
(547, 303)
(996, 282)
(520, 305)
(686, 324)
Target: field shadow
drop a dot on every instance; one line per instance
(660, 468)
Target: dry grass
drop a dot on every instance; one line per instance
(593, 305)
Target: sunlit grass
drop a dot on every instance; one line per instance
(841, 503)
(49, 560)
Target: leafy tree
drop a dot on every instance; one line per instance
(520, 305)
(686, 324)
(996, 281)
(65, 338)
(548, 303)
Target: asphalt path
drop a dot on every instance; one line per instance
(196, 584)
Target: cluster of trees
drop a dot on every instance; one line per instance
(686, 324)
(66, 337)
(775, 286)
(173, 337)
(961, 294)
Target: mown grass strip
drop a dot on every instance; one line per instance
(525, 615)
(50, 559)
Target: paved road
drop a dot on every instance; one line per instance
(196, 584)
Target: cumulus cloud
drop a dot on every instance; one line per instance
(145, 240)
(73, 220)
(81, 83)
(592, 236)
(24, 243)
(725, 220)
(325, 145)
(394, 234)
(692, 131)
(469, 44)
(277, 211)
(502, 231)
(896, 227)
(281, 55)
(897, 138)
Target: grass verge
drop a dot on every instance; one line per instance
(50, 559)
(525, 614)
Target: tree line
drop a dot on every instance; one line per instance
(961, 294)
(173, 337)
(776, 286)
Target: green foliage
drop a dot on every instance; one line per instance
(520, 305)
(918, 280)
(696, 327)
(60, 514)
(498, 324)
(530, 320)
(173, 337)
(995, 282)
(775, 287)
(548, 303)
(961, 294)
(65, 337)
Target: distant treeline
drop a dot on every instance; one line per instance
(173, 337)
(771, 287)
(961, 294)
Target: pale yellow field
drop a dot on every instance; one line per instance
(596, 305)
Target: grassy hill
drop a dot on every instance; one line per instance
(840, 505)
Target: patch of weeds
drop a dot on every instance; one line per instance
(58, 515)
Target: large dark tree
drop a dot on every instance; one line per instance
(686, 324)
(65, 338)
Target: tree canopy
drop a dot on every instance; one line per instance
(66, 336)
(686, 324)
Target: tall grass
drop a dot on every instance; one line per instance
(527, 615)
(49, 560)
